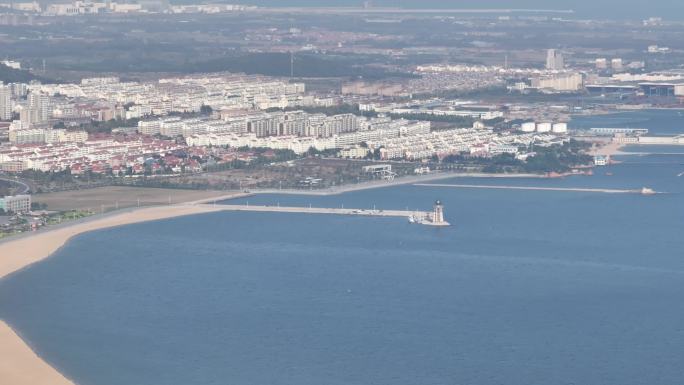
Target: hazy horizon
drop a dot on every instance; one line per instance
(606, 9)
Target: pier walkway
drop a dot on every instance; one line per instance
(317, 210)
(420, 217)
(499, 187)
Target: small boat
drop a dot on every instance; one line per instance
(412, 219)
(609, 174)
(647, 191)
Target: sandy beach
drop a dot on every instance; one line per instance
(19, 365)
(24, 251)
(609, 149)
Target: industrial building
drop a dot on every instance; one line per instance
(662, 89)
(567, 82)
(611, 89)
(544, 127)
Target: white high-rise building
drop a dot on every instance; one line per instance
(616, 64)
(5, 102)
(19, 90)
(601, 63)
(554, 60)
(38, 107)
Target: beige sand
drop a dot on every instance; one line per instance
(19, 365)
(22, 252)
(608, 149)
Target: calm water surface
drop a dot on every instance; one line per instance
(658, 122)
(527, 287)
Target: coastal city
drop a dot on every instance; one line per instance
(287, 124)
(180, 128)
(441, 115)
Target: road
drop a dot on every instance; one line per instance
(25, 188)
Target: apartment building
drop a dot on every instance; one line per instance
(16, 203)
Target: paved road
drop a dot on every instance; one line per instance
(25, 188)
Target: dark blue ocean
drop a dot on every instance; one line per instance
(526, 288)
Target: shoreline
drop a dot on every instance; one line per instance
(38, 245)
(233, 194)
(21, 365)
(406, 180)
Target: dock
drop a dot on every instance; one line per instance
(419, 217)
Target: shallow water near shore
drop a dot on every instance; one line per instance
(658, 122)
(527, 287)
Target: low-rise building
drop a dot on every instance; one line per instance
(16, 203)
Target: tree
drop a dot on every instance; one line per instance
(206, 110)
(38, 206)
(375, 154)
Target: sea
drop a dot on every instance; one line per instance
(525, 288)
(604, 9)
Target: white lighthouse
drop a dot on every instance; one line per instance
(438, 213)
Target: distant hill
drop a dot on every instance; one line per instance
(11, 75)
(267, 63)
(304, 65)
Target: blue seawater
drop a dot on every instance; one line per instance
(526, 287)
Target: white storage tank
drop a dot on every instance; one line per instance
(560, 128)
(528, 127)
(544, 127)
